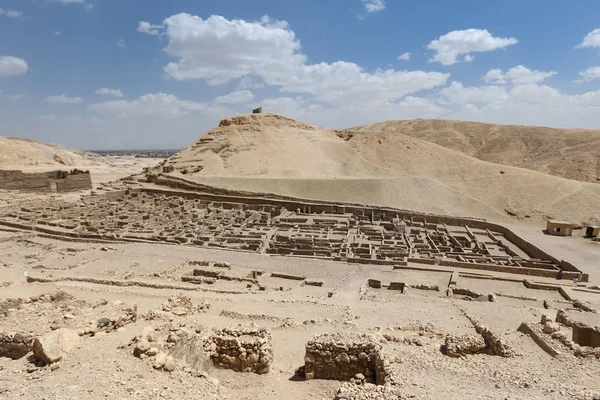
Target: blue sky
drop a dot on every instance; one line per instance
(109, 74)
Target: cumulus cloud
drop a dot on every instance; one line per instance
(121, 43)
(146, 27)
(219, 51)
(12, 66)
(374, 5)
(63, 99)
(11, 13)
(592, 39)
(590, 74)
(518, 75)
(110, 92)
(344, 83)
(456, 93)
(404, 57)
(451, 46)
(237, 97)
(160, 105)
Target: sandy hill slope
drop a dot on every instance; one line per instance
(272, 154)
(569, 153)
(19, 153)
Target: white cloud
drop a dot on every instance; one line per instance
(63, 99)
(592, 39)
(518, 75)
(150, 105)
(453, 44)
(458, 94)
(11, 13)
(250, 82)
(57, 33)
(374, 5)
(404, 57)
(70, 1)
(237, 97)
(590, 74)
(346, 83)
(110, 92)
(12, 66)
(146, 27)
(49, 117)
(219, 51)
(121, 43)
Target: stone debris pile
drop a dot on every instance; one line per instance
(463, 345)
(241, 349)
(343, 357)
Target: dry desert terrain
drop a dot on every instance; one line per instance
(273, 259)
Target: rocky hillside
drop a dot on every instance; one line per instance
(272, 154)
(17, 153)
(569, 153)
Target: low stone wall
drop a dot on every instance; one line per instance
(241, 350)
(341, 357)
(287, 276)
(60, 181)
(512, 270)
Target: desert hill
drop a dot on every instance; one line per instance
(266, 153)
(569, 153)
(18, 153)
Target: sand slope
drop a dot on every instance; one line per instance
(273, 154)
(18, 153)
(570, 153)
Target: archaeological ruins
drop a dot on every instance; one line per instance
(346, 233)
(277, 289)
(55, 181)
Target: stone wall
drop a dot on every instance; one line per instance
(242, 350)
(513, 270)
(60, 181)
(585, 335)
(342, 357)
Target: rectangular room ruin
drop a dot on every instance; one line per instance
(54, 181)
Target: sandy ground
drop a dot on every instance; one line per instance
(103, 366)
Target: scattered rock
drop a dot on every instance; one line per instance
(52, 347)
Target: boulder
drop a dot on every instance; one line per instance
(53, 346)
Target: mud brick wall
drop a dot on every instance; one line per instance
(41, 182)
(428, 261)
(17, 180)
(341, 357)
(74, 182)
(241, 350)
(513, 270)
